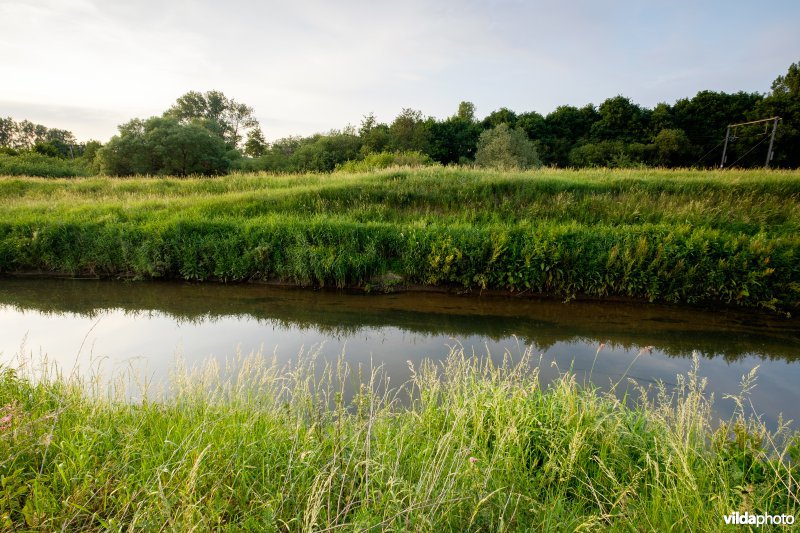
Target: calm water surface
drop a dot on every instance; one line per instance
(109, 327)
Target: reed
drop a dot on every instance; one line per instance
(310, 445)
(728, 237)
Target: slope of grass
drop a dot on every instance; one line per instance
(473, 446)
(676, 236)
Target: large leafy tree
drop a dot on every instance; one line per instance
(784, 101)
(409, 131)
(501, 116)
(567, 126)
(375, 136)
(454, 139)
(256, 145)
(620, 119)
(224, 116)
(163, 145)
(326, 151)
(705, 118)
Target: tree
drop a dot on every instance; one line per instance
(466, 111)
(672, 147)
(501, 116)
(784, 102)
(326, 152)
(224, 116)
(566, 127)
(8, 131)
(661, 119)
(705, 117)
(256, 145)
(454, 139)
(163, 145)
(620, 119)
(375, 136)
(504, 147)
(409, 132)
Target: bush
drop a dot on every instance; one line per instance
(385, 160)
(506, 148)
(35, 164)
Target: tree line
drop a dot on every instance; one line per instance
(209, 133)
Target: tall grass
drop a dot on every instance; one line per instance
(675, 236)
(464, 445)
(33, 164)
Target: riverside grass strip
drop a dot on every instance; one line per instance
(313, 446)
(677, 236)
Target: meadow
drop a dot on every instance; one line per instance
(464, 445)
(713, 237)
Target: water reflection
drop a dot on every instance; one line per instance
(146, 324)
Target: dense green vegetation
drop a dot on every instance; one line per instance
(462, 446)
(35, 164)
(728, 237)
(617, 133)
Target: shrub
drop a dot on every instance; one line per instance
(503, 147)
(385, 160)
(35, 164)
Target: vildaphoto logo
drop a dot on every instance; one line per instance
(749, 519)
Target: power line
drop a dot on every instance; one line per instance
(707, 153)
(747, 152)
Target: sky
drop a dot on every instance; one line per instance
(311, 66)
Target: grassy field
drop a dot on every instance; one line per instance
(729, 237)
(258, 446)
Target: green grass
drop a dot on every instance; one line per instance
(33, 164)
(727, 237)
(260, 446)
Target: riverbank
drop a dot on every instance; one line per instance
(261, 445)
(728, 237)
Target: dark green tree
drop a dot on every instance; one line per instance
(705, 117)
(784, 101)
(455, 139)
(409, 131)
(567, 127)
(165, 146)
(256, 145)
(620, 120)
(222, 115)
(501, 116)
(325, 152)
(375, 136)
(672, 148)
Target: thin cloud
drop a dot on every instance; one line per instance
(313, 66)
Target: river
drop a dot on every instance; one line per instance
(107, 328)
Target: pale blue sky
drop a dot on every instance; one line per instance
(306, 67)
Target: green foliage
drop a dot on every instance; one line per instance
(256, 145)
(410, 132)
(46, 148)
(36, 164)
(620, 120)
(728, 237)
(506, 148)
(223, 116)
(320, 153)
(25, 135)
(163, 146)
(383, 160)
(454, 139)
(672, 148)
(610, 154)
(784, 102)
(313, 446)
